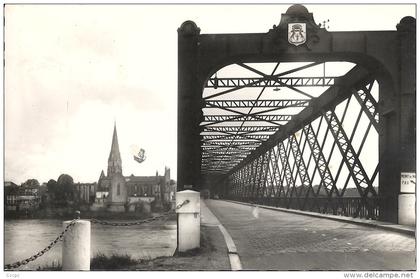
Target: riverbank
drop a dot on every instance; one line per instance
(69, 213)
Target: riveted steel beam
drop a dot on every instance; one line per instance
(329, 99)
(358, 173)
(236, 118)
(269, 81)
(321, 164)
(368, 104)
(257, 103)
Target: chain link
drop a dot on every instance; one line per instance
(120, 224)
(42, 252)
(149, 220)
(182, 204)
(95, 221)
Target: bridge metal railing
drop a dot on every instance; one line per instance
(367, 208)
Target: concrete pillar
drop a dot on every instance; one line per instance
(407, 200)
(190, 90)
(76, 246)
(397, 136)
(188, 220)
(407, 209)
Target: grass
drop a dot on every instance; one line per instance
(55, 266)
(118, 262)
(99, 262)
(113, 262)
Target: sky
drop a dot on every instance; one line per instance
(71, 71)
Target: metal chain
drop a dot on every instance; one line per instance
(119, 224)
(42, 252)
(95, 221)
(149, 220)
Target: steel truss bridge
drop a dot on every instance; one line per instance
(293, 129)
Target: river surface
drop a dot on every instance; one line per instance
(24, 238)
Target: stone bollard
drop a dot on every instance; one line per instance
(76, 246)
(188, 220)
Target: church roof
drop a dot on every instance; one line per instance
(115, 150)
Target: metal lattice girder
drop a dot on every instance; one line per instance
(210, 161)
(273, 176)
(257, 177)
(241, 181)
(220, 167)
(257, 103)
(320, 162)
(216, 165)
(253, 179)
(287, 172)
(301, 167)
(236, 143)
(230, 137)
(350, 157)
(230, 153)
(262, 176)
(252, 129)
(249, 176)
(330, 98)
(368, 104)
(259, 183)
(266, 163)
(227, 161)
(241, 185)
(216, 159)
(277, 171)
(218, 148)
(269, 81)
(247, 180)
(266, 117)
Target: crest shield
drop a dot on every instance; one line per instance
(296, 33)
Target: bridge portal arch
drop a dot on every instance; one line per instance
(385, 56)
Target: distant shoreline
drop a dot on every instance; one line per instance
(69, 213)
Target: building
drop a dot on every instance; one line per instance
(10, 184)
(20, 199)
(84, 192)
(115, 190)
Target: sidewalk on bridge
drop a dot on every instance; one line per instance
(371, 223)
(211, 256)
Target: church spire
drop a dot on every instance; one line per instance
(114, 159)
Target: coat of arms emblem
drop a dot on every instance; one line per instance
(297, 33)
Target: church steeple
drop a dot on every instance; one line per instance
(114, 159)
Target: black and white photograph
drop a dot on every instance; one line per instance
(227, 137)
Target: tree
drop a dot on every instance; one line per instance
(65, 187)
(52, 186)
(30, 183)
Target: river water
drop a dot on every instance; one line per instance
(24, 238)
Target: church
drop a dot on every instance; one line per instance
(117, 192)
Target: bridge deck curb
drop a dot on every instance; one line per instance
(235, 262)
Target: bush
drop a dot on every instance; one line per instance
(55, 266)
(114, 262)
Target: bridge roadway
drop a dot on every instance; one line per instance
(277, 240)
